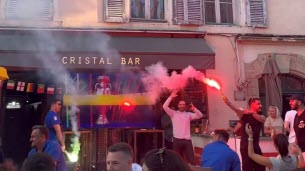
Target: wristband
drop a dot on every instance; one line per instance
(250, 139)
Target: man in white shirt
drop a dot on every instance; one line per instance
(288, 125)
(181, 120)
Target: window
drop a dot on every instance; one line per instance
(29, 9)
(147, 9)
(256, 13)
(218, 11)
(116, 10)
(188, 12)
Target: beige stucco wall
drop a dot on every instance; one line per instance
(290, 58)
(219, 113)
(284, 18)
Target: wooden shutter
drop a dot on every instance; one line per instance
(256, 13)
(188, 12)
(115, 11)
(29, 9)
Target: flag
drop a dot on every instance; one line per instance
(40, 88)
(30, 88)
(59, 91)
(50, 90)
(10, 85)
(20, 86)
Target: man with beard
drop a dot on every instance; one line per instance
(181, 120)
(255, 118)
(297, 103)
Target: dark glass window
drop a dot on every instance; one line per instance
(226, 11)
(210, 14)
(218, 11)
(156, 9)
(137, 8)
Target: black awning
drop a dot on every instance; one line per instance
(174, 53)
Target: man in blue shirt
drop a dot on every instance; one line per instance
(218, 155)
(39, 141)
(52, 122)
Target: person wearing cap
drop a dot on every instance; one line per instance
(218, 155)
(255, 118)
(297, 103)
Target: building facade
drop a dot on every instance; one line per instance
(230, 41)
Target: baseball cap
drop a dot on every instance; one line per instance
(297, 97)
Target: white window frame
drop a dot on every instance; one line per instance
(217, 11)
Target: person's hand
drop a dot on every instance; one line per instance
(230, 129)
(248, 112)
(225, 99)
(249, 130)
(295, 149)
(192, 107)
(272, 132)
(63, 147)
(174, 94)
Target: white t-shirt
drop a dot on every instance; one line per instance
(276, 123)
(286, 164)
(289, 117)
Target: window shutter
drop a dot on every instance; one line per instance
(115, 11)
(188, 12)
(256, 13)
(29, 9)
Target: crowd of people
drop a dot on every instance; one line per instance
(47, 153)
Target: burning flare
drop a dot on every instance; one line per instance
(72, 156)
(211, 83)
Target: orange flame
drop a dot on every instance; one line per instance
(211, 83)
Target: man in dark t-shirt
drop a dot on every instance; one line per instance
(297, 103)
(255, 118)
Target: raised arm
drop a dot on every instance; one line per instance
(239, 112)
(197, 114)
(166, 108)
(265, 161)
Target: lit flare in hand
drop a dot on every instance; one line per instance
(211, 83)
(72, 156)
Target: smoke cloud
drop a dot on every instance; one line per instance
(157, 79)
(50, 44)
